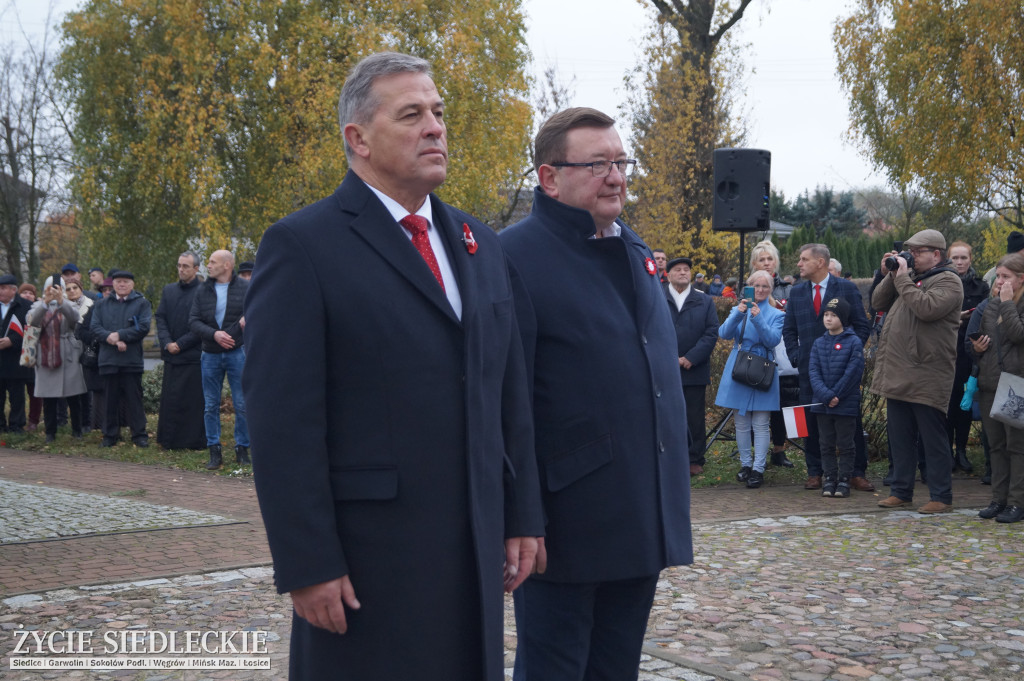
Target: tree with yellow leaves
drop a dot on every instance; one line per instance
(937, 98)
(681, 107)
(201, 122)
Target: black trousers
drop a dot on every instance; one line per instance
(696, 409)
(50, 406)
(13, 388)
(581, 632)
(836, 432)
(124, 388)
(906, 422)
(812, 446)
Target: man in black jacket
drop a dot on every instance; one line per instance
(217, 319)
(181, 395)
(120, 322)
(13, 376)
(696, 322)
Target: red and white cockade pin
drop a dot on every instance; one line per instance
(467, 238)
(652, 268)
(839, 346)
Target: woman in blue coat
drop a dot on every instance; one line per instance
(762, 331)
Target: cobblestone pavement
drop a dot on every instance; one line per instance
(35, 512)
(785, 585)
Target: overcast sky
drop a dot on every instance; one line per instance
(794, 106)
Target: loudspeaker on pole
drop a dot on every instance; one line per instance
(742, 190)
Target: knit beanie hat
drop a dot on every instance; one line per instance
(841, 309)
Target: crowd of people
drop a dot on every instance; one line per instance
(77, 350)
(933, 334)
(465, 413)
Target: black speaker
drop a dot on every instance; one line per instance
(742, 186)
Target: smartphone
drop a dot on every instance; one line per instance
(56, 279)
(748, 292)
(974, 336)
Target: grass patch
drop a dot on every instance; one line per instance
(89, 447)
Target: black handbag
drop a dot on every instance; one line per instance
(751, 369)
(90, 355)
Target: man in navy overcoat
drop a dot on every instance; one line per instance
(801, 328)
(392, 441)
(608, 408)
(696, 323)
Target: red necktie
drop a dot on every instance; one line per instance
(417, 226)
(817, 299)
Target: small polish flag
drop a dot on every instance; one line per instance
(796, 420)
(16, 326)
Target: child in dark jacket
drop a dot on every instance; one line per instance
(836, 368)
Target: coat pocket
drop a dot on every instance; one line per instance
(567, 466)
(366, 483)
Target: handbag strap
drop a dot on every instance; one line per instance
(743, 329)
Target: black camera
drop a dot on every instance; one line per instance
(892, 264)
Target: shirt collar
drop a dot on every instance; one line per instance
(396, 209)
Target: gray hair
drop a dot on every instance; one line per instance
(194, 256)
(817, 251)
(358, 102)
(835, 263)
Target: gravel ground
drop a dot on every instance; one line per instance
(874, 596)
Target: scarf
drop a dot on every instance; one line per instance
(49, 340)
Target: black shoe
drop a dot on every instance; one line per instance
(987, 478)
(108, 442)
(215, 458)
(50, 438)
(828, 486)
(744, 474)
(962, 462)
(780, 459)
(242, 455)
(141, 442)
(755, 479)
(887, 480)
(1011, 514)
(842, 488)
(991, 511)
(77, 434)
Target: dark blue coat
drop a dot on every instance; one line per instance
(131, 320)
(607, 401)
(392, 441)
(696, 334)
(836, 368)
(802, 327)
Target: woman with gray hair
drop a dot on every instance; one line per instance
(756, 327)
(58, 371)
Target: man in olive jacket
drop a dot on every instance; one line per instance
(915, 363)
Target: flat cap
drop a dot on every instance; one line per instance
(927, 238)
(678, 261)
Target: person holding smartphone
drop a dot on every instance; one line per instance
(958, 421)
(756, 326)
(58, 371)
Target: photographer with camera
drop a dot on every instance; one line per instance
(915, 363)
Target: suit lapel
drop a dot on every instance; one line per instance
(375, 225)
(461, 259)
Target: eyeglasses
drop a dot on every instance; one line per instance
(602, 168)
(916, 252)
